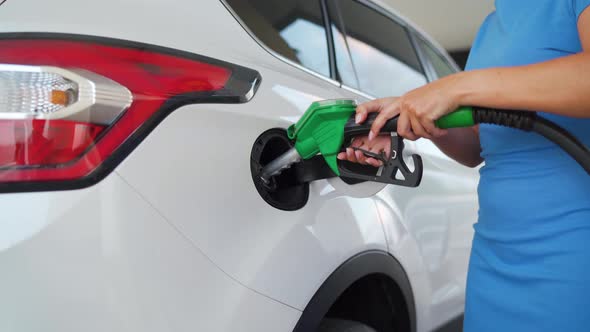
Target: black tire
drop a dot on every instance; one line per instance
(339, 325)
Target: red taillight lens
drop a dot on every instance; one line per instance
(69, 106)
(39, 142)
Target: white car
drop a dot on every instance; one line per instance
(129, 131)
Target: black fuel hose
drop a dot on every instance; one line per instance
(530, 121)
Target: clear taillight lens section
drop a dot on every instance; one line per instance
(28, 90)
(70, 108)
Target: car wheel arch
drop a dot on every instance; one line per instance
(348, 273)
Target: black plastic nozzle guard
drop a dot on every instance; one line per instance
(394, 170)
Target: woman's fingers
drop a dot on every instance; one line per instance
(374, 162)
(350, 155)
(358, 141)
(377, 125)
(387, 113)
(432, 129)
(360, 157)
(355, 154)
(404, 128)
(368, 161)
(376, 105)
(379, 148)
(418, 129)
(364, 109)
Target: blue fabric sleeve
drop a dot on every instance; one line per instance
(579, 6)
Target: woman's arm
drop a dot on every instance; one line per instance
(560, 86)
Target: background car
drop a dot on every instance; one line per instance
(129, 131)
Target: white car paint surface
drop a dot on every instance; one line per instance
(178, 239)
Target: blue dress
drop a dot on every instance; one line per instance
(530, 262)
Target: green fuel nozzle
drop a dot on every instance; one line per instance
(328, 125)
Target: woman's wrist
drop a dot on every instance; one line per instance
(462, 88)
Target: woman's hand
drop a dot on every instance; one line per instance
(381, 144)
(418, 109)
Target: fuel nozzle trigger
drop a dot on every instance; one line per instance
(394, 169)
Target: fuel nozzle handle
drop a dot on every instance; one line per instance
(352, 129)
(462, 117)
(469, 116)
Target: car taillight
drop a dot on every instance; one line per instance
(71, 109)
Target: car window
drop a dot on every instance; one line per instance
(439, 63)
(292, 28)
(381, 50)
(345, 70)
